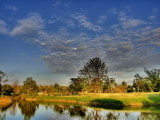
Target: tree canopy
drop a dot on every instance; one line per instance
(30, 87)
(94, 71)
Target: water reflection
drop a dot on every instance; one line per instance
(149, 116)
(28, 109)
(77, 111)
(2, 116)
(50, 111)
(82, 112)
(71, 110)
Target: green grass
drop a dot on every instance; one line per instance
(108, 100)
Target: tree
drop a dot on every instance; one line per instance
(109, 85)
(30, 88)
(16, 87)
(154, 77)
(7, 89)
(122, 87)
(3, 79)
(138, 82)
(76, 85)
(57, 88)
(95, 71)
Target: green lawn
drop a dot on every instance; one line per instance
(108, 99)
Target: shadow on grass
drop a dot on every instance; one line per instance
(107, 103)
(154, 100)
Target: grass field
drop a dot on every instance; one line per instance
(108, 99)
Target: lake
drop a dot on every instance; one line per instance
(51, 111)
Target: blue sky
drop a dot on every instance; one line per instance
(51, 40)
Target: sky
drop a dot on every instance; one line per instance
(51, 40)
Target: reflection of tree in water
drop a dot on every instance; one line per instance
(13, 109)
(3, 110)
(112, 116)
(80, 111)
(77, 111)
(28, 109)
(2, 116)
(72, 110)
(60, 108)
(149, 116)
(127, 114)
(95, 115)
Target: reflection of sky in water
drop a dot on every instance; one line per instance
(45, 112)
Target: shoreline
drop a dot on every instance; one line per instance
(5, 101)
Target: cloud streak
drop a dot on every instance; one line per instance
(84, 22)
(28, 27)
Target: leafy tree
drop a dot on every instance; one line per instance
(95, 71)
(138, 82)
(154, 77)
(148, 86)
(30, 88)
(109, 85)
(122, 87)
(57, 88)
(130, 89)
(76, 85)
(7, 89)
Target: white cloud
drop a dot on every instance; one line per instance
(131, 23)
(29, 26)
(84, 22)
(128, 22)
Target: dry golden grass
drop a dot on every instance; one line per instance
(5, 101)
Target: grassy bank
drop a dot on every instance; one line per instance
(114, 100)
(5, 101)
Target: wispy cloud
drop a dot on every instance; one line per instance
(131, 23)
(127, 22)
(84, 22)
(29, 26)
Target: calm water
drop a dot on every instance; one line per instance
(50, 111)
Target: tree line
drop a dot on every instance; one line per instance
(93, 78)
